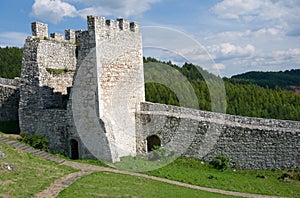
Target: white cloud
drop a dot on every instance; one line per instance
(283, 55)
(12, 38)
(52, 10)
(55, 10)
(228, 50)
(116, 8)
(283, 14)
(249, 10)
(218, 66)
(234, 9)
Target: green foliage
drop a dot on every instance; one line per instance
(10, 62)
(159, 153)
(270, 79)
(58, 71)
(159, 93)
(220, 162)
(243, 97)
(293, 174)
(255, 101)
(36, 140)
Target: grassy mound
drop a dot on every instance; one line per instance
(31, 174)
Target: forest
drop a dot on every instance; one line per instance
(282, 79)
(10, 62)
(243, 97)
(254, 94)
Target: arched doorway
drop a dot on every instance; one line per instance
(74, 149)
(152, 141)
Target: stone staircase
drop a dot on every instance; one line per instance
(29, 149)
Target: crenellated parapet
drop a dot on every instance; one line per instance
(120, 24)
(39, 30)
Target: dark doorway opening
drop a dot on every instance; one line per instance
(152, 141)
(74, 149)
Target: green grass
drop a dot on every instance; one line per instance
(192, 171)
(138, 164)
(195, 172)
(10, 127)
(104, 184)
(32, 174)
(58, 71)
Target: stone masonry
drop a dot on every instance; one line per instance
(250, 143)
(9, 99)
(85, 93)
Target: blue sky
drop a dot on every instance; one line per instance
(224, 36)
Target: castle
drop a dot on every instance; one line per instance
(85, 93)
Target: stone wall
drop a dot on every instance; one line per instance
(102, 115)
(120, 79)
(9, 99)
(48, 68)
(251, 143)
(110, 79)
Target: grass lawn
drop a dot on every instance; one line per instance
(104, 184)
(31, 173)
(194, 172)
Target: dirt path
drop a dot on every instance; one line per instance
(87, 167)
(55, 188)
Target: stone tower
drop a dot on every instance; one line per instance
(48, 67)
(84, 91)
(110, 78)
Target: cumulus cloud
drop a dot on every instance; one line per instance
(117, 8)
(249, 10)
(283, 13)
(228, 51)
(55, 10)
(52, 10)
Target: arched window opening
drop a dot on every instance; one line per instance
(152, 141)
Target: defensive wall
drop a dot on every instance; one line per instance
(9, 99)
(250, 143)
(85, 93)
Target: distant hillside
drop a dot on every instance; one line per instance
(289, 79)
(243, 97)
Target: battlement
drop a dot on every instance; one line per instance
(57, 36)
(39, 30)
(72, 35)
(95, 22)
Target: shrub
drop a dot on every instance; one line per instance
(220, 162)
(159, 153)
(36, 140)
(293, 174)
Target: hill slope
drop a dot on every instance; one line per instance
(243, 97)
(282, 79)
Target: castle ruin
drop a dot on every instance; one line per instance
(85, 93)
